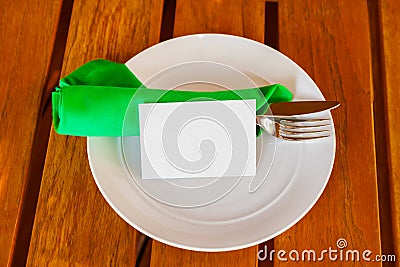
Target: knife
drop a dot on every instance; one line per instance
(287, 109)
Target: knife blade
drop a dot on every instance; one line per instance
(287, 109)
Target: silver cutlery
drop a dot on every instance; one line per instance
(289, 109)
(282, 123)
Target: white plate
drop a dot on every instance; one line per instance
(290, 175)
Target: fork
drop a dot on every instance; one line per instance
(293, 129)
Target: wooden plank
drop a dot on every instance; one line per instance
(246, 19)
(164, 255)
(332, 44)
(74, 225)
(242, 18)
(26, 47)
(390, 24)
(380, 118)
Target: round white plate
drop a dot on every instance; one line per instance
(290, 175)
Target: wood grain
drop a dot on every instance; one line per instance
(390, 24)
(332, 44)
(164, 255)
(242, 18)
(27, 41)
(380, 125)
(74, 225)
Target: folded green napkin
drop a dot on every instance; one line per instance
(92, 100)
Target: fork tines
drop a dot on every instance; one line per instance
(303, 129)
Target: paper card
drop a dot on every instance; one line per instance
(198, 139)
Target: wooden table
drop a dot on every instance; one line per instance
(52, 212)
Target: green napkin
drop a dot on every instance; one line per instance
(92, 100)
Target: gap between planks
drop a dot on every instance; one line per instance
(271, 38)
(166, 33)
(30, 194)
(380, 128)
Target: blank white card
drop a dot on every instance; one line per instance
(198, 139)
